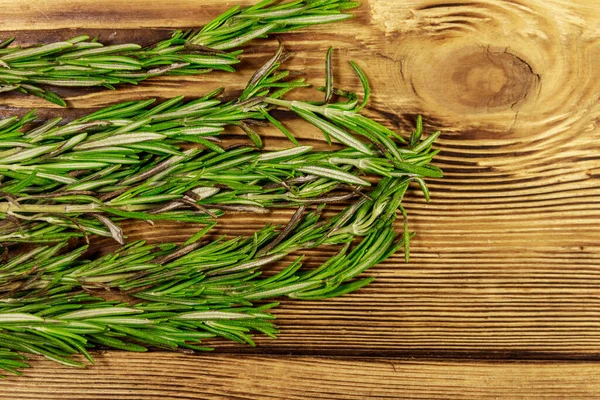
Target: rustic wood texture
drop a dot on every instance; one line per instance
(170, 376)
(506, 261)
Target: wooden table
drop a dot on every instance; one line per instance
(501, 298)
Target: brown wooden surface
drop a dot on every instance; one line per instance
(212, 376)
(506, 261)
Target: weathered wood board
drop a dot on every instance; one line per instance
(225, 377)
(506, 261)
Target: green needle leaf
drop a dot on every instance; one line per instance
(36, 52)
(335, 174)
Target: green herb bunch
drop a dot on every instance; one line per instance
(188, 292)
(81, 62)
(168, 161)
(129, 161)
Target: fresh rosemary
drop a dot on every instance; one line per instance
(150, 161)
(188, 292)
(85, 62)
(127, 161)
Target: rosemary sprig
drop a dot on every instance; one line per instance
(192, 291)
(343, 121)
(69, 175)
(197, 186)
(218, 258)
(134, 127)
(62, 325)
(85, 62)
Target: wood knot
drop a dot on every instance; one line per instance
(491, 79)
(472, 79)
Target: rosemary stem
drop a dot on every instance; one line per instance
(291, 104)
(7, 207)
(83, 61)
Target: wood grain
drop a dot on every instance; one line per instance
(506, 261)
(171, 377)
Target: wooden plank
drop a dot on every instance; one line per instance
(144, 376)
(506, 262)
(61, 14)
(473, 300)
